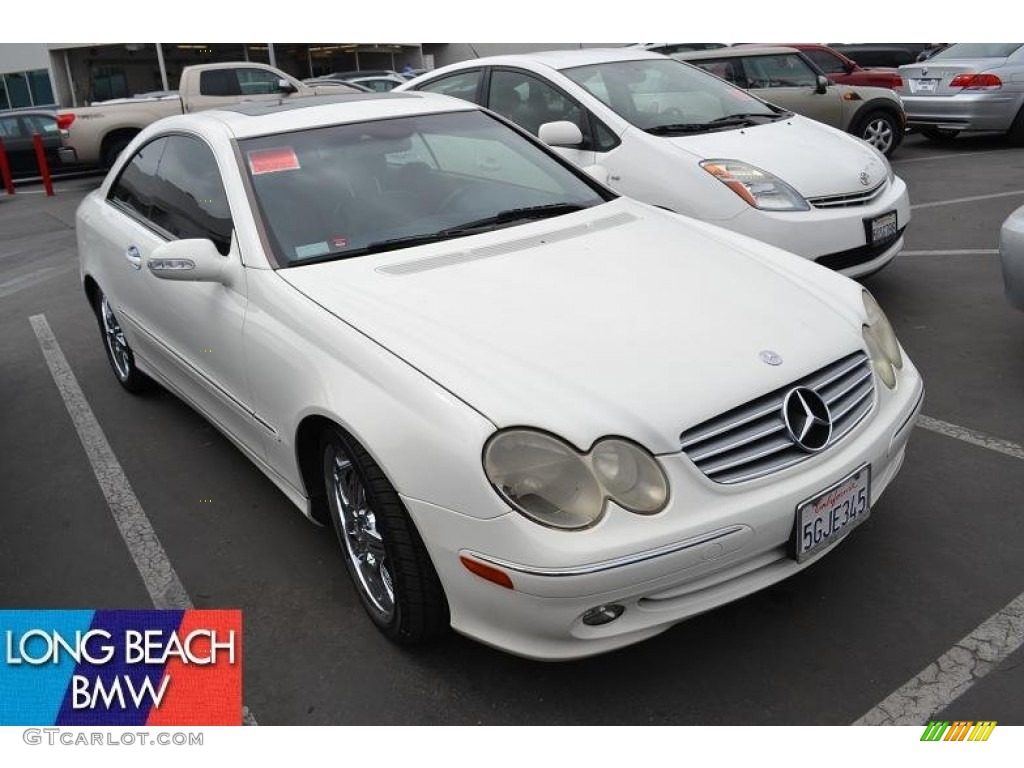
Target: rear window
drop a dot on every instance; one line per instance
(977, 51)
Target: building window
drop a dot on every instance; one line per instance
(25, 89)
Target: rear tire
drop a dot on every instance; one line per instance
(114, 148)
(119, 354)
(1016, 132)
(939, 134)
(383, 552)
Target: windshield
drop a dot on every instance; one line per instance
(660, 93)
(977, 51)
(345, 190)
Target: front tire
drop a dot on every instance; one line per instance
(383, 552)
(882, 130)
(119, 354)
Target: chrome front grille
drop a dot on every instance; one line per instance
(849, 199)
(752, 440)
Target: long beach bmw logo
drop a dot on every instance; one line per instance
(807, 419)
(769, 357)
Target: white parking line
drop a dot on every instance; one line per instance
(161, 580)
(970, 436)
(947, 678)
(972, 199)
(951, 156)
(960, 252)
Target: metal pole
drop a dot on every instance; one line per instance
(5, 170)
(309, 59)
(44, 168)
(163, 68)
(71, 80)
(270, 53)
(245, 51)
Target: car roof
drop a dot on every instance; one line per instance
(565, 59)
(746, 50)
(259, 118)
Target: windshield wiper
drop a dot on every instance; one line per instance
(714, 125)
(746, 116)
(460, 230)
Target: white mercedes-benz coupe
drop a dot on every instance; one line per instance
(558, 420)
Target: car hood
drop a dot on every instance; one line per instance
(793, 149)
(622, 319)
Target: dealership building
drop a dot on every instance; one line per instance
(76, 74)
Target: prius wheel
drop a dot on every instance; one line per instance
(382, 549)
(882, 131)
(119, 354)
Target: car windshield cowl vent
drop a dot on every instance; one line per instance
(752, 440)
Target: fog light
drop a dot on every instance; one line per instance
(603, 614)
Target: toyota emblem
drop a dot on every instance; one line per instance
(864, 178)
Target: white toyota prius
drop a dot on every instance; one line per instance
(557, 420)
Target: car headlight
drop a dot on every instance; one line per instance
(758, 188)
(883, 347)
(552, 483)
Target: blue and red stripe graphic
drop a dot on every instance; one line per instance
(121, 668)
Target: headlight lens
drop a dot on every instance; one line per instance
(758, 188)
(883, 346)
(550, 482)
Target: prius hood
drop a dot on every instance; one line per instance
(813, 158)
(619, 320)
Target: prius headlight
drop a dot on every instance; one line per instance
(881, 341)
(552, 483)
(758, 188)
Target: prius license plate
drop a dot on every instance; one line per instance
(829, 516)
(882, 228)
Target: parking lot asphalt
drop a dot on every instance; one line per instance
(940, 554)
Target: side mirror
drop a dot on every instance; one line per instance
(849, 67)
(560, 133)
(821, 84)
(196, 260)
(286, 86)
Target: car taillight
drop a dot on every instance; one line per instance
(897, 82)
(979, 82)
(65, 120)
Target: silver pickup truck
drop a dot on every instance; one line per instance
(96, 135)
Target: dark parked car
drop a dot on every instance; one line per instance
(842, 69)
(16, 129)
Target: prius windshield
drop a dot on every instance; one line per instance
(348, 190)
(665, 96)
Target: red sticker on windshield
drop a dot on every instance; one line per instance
(273, 160)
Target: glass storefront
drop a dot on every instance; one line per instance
(26, 89)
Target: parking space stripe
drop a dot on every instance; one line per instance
(161, 580)
(960, 252)
(970, 436)
(972, 199)
(951, 156)
(15, 284)
(950, 676)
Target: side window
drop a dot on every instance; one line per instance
(530, 102)
(134, 188)
(826, 62)
(219, 82)
(39, 123)
(464, 85)
(190, 200)
(781, 71)
(257, 82)
(9, 128)
(604, 139)
(725, 69)
(487, 159)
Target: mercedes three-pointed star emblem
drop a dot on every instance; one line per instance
(807, 419)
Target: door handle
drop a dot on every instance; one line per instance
(132, 254)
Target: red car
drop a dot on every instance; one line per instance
(844, 70)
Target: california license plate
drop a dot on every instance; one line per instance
(828, 517)
(923, 86)
(881, 228)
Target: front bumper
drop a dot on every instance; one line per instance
(966, 111)
(712, 545)
(823, 233)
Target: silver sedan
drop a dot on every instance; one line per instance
(1011, 252)
(967, 87)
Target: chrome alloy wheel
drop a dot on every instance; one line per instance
(879, 134)
(120, 354)
(361, 540)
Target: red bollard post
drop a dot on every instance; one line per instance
(44, 168)
(5, 169)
